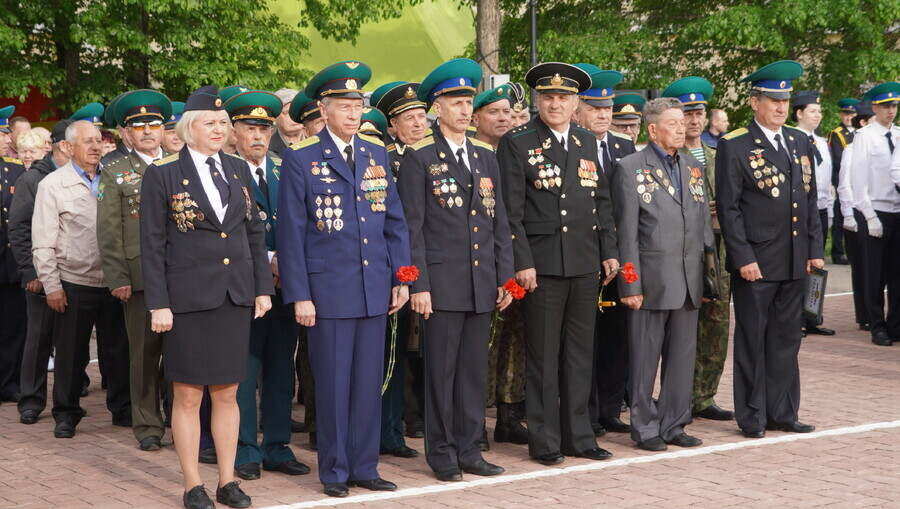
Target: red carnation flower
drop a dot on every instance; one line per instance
(517, 291)
(628, 273)
(408, 274)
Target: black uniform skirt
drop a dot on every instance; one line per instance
(208, 347)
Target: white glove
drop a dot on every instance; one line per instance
(830, 222)
(875, 228)
(850, 224)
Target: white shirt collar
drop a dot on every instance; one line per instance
(253, 168)
(562, 135)
(200, 160)
(604, 138)
(454, 148)
(147, 159)
(770, 135)
(339, 143)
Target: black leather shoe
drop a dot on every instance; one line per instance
(450, 473)
(554, 458)
(840, 260)
(513, 433)
(247, 471)
(822, 331)
(791, 427)
(595, 453)
(415, 429)
(297, 426)
(864, 326)
(403, 452)
(754, 434)
(484, 468)
(64, 430)
(291, 467)
(684, 440)
(232, 495)
(655, 444)
(313, 441)
(882, 339)
(337, 489)
(29, 416)
(598, 430)
(84, 390)
(150, 443)
(615, 425)
(715, 413)
(124, 422)
(482, 443)
(374, 485)
(197, 498)
(208, 456)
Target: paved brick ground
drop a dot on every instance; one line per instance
(847, 382)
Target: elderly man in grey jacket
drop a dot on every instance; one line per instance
(663, 227)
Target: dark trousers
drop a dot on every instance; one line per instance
(559, 342)
(89, 306)
(884, 271)
(13, 324)
(307, 388)
(456, 358)
(857, 246)
(414, 387)
(610, 359)
(670, 335)
(347, 359)
(823, 219)
(273, 340)
(145, 348)
(38, 343)
(766, 344)
(206, 437)
(838, 234)
(392, 399)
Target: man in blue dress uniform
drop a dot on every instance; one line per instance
(342, 238)
(273, 337)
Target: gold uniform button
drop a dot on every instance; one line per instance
(594, 211)
(795, 233)
(226, 261)
(363, 219)
(795, 219)
(475, 246)
(476, 263)
(358, 198)
(563, 212)
(595, 227)
(475, 229)
(366, 263)
(795, 205)
(565, 229)
(365, 241)
(224, 235)
(563, 196)
(473, 212)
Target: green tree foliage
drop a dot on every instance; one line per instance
(341, 20)
(91, 50)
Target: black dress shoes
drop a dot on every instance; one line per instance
(208, 456)
(840, 260)
(124, 422)
(882, 339)
(337, 489)
(554, 458)
(484, 468)
(64, 430)
(197, 498)
(615, 425)
(247, 471)
(598, 430)
(822, 331)
(374, 485)
(754, 434)
(29, 416)
(595, 453)
(655, 444)
(232, 495)
(450, 473)
(684, 440)
(150, 443)
(715, 413)
(403, 452)
(791, 427)
(290, 467)
(415, 429)
(296, 426)
(512, 432)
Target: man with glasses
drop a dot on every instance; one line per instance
(143, 113)
(626, 119)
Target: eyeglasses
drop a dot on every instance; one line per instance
(153, 125)
(628, 127)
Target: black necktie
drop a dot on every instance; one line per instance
(219, 181)
(780, 146)
(890, 141)
(459, 157)
(263, 185)
(562, 142)
(607, 161)
(676, 175)
(815, 150)
(349, 151)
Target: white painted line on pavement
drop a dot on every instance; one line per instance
(602, 465)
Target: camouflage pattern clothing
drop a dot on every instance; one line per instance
(506, 358)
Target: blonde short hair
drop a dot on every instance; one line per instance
(31, 139)
(184, 126)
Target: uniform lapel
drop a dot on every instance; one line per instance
(461, 174)
(793, 157)
(474, 163)
(336, 160)
(573, 162)
(239, 200)
(273, 175)
(664, 168)
(361, 159)
(191, 182)
(550, 150)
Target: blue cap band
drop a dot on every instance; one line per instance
(452, 85)
(598, 93)
(886, 97)
(773, 85)
(693, 98)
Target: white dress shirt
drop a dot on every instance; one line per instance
(212, 192)
(844, 190)
(871, 181)
(562, 137)
(265, 177)
(147, 159)
(455, 148)
(341, 146)
(825, 200)
(605, 139)
(770, 135)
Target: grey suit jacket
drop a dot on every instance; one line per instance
(663, 237)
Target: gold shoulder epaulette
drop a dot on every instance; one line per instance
(276, 161)
(392, 147)
(236, 156)
(734, 134)
(371, 139)
(424, 142)
(312, 140)
(619, 135)
(166, 160)
(12, 160)
(479, 143)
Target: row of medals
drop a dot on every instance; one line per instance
(183, 217)
(134, 202)
(447, 186)
(549, 177)
(647, 184)
(486, 191)
(330, 216)
(375, 184)
(766, 176)
(588, 174)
